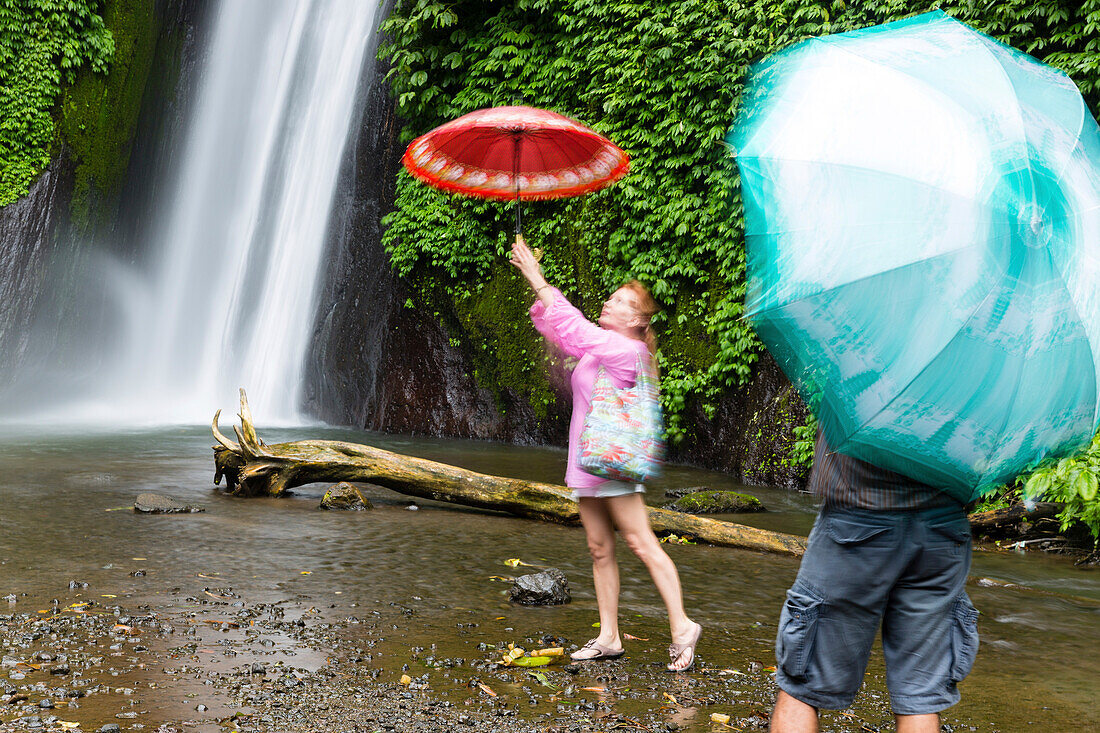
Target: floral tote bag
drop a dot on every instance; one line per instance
(622, 435)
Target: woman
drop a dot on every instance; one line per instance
(616, 344)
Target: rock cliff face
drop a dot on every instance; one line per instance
(26, 236)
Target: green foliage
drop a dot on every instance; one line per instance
(42, 44)
(802, 451)
(663, 81)
(1074, 481)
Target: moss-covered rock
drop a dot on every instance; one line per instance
(717, 502)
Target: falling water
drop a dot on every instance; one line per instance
(230, 299)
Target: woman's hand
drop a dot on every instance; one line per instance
(524, 261)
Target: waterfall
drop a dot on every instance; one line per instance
(228, 299)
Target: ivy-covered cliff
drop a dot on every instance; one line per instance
(663, 81)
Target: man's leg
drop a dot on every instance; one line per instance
(918, 723)
(832, 613)
(794, 716)
(929, 633)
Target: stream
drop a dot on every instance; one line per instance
(426, 577)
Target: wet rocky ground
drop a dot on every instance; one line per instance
(214, 661)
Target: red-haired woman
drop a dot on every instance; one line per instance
(622, 336)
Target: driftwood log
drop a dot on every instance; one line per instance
(1008, 521)
(252, 468)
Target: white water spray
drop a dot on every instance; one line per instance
(231, 297)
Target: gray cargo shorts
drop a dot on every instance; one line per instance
(905, 570)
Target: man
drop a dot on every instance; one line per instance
(884, 549)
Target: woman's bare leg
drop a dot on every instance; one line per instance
(632, 520)
(600, 533)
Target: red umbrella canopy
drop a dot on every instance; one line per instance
(515, 152)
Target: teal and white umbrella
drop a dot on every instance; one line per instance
(922, 210)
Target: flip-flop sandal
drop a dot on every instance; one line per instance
(676, 650)
(602, 652)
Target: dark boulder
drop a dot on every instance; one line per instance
(345, 497)
(157, 504)
(716, 502)
(548, 588)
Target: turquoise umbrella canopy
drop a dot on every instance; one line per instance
(922, 213)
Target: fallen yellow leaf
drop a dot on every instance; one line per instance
(405, 679)
(486, 689)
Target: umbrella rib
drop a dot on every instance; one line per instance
(831, 42)
(786, 303)
(1092, 349)
(542, 157)
(868, 169)
(1016, 391)
(917, 376)
(1017, 107)
(1077, 138)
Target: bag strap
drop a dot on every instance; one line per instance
(645, 374)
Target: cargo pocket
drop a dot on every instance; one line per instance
(964, 638)
(797, 629)
(852, 530)
(956, 531)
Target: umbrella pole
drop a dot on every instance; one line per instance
(519, 223)
(515, 177)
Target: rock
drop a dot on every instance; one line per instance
(109, 728)
(157, 504)
(548, 588)
(76, 584)
(1089, 561)
(343, 496)
(684, 491)
(716, 502)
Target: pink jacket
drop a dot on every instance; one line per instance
(564, 325)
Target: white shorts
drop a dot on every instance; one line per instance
(608, 489)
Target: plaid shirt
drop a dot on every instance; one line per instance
(842, 481)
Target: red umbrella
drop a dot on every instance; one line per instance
(513, 153)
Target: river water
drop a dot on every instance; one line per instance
(65, 497)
